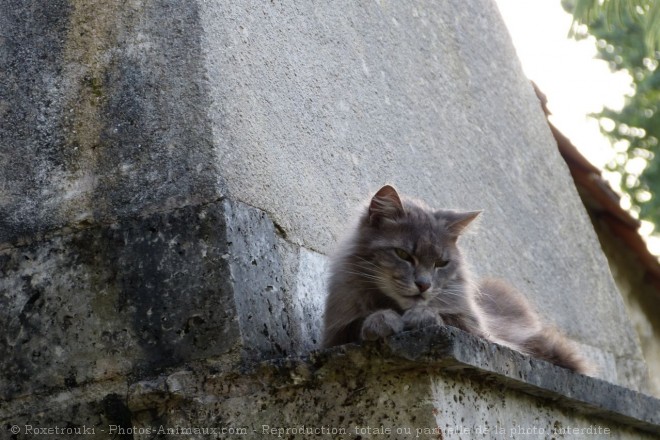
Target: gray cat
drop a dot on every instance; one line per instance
(403, 270)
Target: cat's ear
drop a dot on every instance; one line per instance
(456, 221)
(385, 205)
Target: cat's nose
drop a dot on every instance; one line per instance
(423, 285)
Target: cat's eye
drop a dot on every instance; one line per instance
(441, 263)
(404, 255)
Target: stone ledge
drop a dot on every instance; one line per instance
(457, 350)
(451, 350)
(436, 378)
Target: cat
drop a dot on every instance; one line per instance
(402, 269)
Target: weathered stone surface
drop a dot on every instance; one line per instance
(103, 113)
(137, 296)
(305, 275)
(431, 383)
(257, 278)
(538, 378)
(428, 380)
(116, 299)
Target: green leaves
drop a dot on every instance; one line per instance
(618, 14)
(627, 35)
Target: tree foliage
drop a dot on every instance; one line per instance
(619, 13)
(627, 35)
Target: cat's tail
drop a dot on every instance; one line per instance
(554, 347)
(511, 321)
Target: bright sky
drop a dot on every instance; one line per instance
(575, 83)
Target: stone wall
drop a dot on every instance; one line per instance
(640, 295)
(174, 176)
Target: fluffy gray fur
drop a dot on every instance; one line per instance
(402, 269)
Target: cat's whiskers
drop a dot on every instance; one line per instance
(367, 270)
(365, 275)
(450, 293)
(371, 263)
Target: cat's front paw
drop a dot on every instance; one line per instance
(381, 324)
(419, 317)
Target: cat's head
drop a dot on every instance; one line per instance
(409, 251)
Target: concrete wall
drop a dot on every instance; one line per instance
(174, 175)
(640, 296)
(104, 114)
